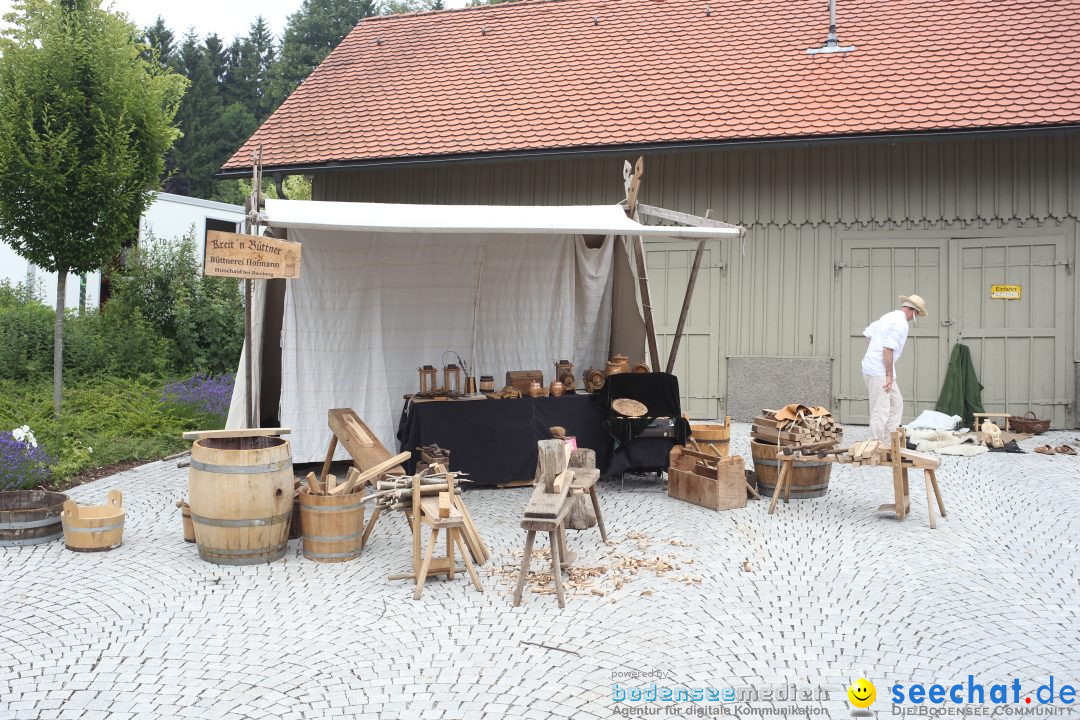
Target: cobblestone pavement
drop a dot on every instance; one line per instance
(836, 592)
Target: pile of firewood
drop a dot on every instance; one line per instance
(804, 431)
(395, 491)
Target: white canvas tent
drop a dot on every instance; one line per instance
(386, 288)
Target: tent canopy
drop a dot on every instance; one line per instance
(474, 219)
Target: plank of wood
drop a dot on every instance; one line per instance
(361, 444)
(547, 503)
(675, 341)
(681, 217)
(314, 486)
(921, 460)
(515, 484)
(430, 509)
(329, 456)
(371, 473)
(477, 548)
(239, 433)
(444, 504)
(646, 300)
(331, 483)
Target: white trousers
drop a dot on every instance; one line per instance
(886, 408)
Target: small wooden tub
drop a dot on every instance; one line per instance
(332, 526)
(94, 528)
(30, 517)
(715, 435)
(185, 517)
(808, 479)
(240, 490)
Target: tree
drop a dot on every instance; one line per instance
(198, 153)
(310, 34)
(85, 122)
(161, 44)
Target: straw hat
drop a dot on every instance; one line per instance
(915, 302)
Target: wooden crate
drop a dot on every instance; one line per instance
(718, 488)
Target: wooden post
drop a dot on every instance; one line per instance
(249, 400)
(675, 341)
(632, 182)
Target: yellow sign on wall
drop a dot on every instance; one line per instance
(1004, 292)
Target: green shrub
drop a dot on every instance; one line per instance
(164, 317)
(200, 318)
(26, 332)
(106, 420)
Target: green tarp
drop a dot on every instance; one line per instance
(961, 393)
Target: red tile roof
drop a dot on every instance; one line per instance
(558, 74)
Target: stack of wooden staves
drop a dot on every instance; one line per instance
(804, 431)
(355, 480)
(867, 452)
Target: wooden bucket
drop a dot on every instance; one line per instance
(332, 526)
(30, 517)
(808, 479)
(94, 528)
(185, 516)
(240, 490)
(716, 436)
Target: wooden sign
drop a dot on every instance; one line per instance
(1005, 292)
(250, 257)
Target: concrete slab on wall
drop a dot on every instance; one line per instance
(754, 383)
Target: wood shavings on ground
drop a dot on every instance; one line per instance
(617, 569)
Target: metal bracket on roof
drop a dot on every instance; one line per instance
(832, 43)
(834, 47)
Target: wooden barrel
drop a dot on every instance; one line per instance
(30, 517)
(808, 479)
(332, 526)
(241, 495)
(717, 436)
(94, 528)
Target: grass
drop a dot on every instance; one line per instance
(104, 421)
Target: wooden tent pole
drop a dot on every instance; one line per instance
(675, 341)
(633, 182)
(251, 210)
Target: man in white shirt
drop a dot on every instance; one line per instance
(887, 337)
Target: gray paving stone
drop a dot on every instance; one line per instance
(837, 592)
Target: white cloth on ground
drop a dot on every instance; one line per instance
(934, 420)
(888, 331)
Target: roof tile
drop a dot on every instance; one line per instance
(547, 74)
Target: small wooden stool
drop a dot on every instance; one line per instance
(557, 540)
(548, 508)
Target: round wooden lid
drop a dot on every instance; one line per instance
(629, 408)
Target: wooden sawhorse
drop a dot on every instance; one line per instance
(425, 511)
(896, 454)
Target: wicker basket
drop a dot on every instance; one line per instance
(1025, 424)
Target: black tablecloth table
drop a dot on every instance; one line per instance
(494, 441)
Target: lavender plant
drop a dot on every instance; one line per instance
(205, 393)
(23, 464)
